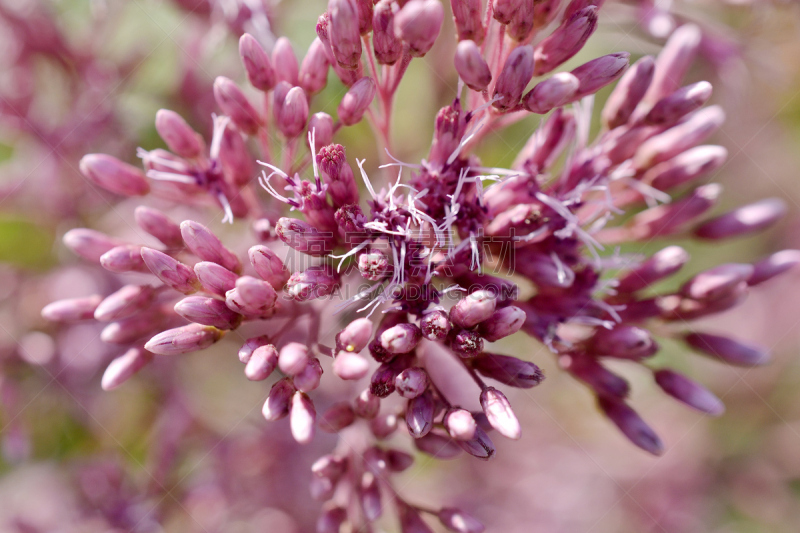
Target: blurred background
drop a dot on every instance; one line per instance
(183, 446)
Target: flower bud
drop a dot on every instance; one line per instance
(729, 350)
(517, 72)
(439, 446)
(344, 33)
(257, 64)
(551, 93)
(480, 446)
(689, 392)
(624, 342)
(566, 41)
(672, 108)
(355, 103)
(235, 104)
(321, 124)
(179, 136)
(498, 410)
(170, 271)
(502, 323)
(539, 153)
(285, 61)
(373, 265)
(159, 226)
(473, 309)
(261, 363)
(355, 336)
(382, 381)
(131, 329)
(460, 424)
(337, 417)
(205, 245)
(685, 167)
(435, 325)
(315, 282)
(471, 66)
(268, 266)
(458, 521)
(314, 69)
(743, 220)
(631, 425)
(304, 237)
(508, 370)
(599, 378)
(695, 129)
(774, 265)
(367, 405)
(279, 399)
(113, 175)
(419, 415)
(184, 339)
(127, 301)
(124, 367)
(310, 377)
(208, 311)
(628, 93)
(215, 279)
(293, 113)
(89, 244)
(599, 72)
(337, 173)
(369, 496)
(349, 365)
(302, 418)
(673, 62)
(331, 520)
(125, 258)
(717, 282)
(467, 16)
(503, 10)
(293, 358)
(251, 297)
(388, 47)
(72, 309)
(661, 265)
(401, 338)
(383, 426)
(467, 344)
(330, 466)
(418, 23)
(411, 382)
(250, 346)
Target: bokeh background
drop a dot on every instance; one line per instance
(183, 447)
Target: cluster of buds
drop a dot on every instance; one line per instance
(430, 235)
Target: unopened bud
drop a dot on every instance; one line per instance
(309, 379)
(471, 66)
(473, 309)
(502, 323)
(439, 446)
(689, 392)
(268, 266)
(262, 363)
(89, 244)
(418, 23)
(383, 426)
(628, 93)
(419, 415)
(179, 136)
(250, 346)
(293, 358)
(337, 417)
(304, 237)
(695, 129)
(131, 329)
(251, 297)
(411, 382)
(257, 64)
(662, 264)
(344, 33)
(72, 309)
(774, 265)
(517, 72)
(599, 72)
(127, 301)
(460, 424)
(369, 495)
(508, 370)
(717, 282)
(315, 282)
(170, 271)
(743, 220)
(185, 339)
(388, 47)
(208, 311)
(159, 226)
(499, 413)
(279, 399)
(356, 101)
(401, 338)
(124, 367)
(435, 325)
(293, 113)
(466, 343)
(125, 258)
(349, 365)
(729, 350)
(367, 405)
(322, 126)
(355, 336)
(685, 167)
(467, 16)
(631, 425)
(215, 279)
(235, 104)
(207, 246)
(113, 175)
(302, 418)
(314, 69)
(672, 108)
(673, 62)
(480, 445)
(458, 521)
(551, 93)
(566, 41)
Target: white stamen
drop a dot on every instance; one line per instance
(366, 179)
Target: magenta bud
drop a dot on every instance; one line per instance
(599, 72)
(113, 175)
(743, 220)
(89, 244)
(279, 399)
(72, 309)
(566, 41)
(338, 174)
(599, 378)
(382, 381)
(349, 365)
(207, 246)
(170, 271)
(439, 446)
(337, 417)
(411, 382)
(673, 62)
(473, 309)
(624, 342)
(159, 226)
(285, 61)
(435, 325)
(310, 377)
(388, 48)
(503, 10)
(670, 218)
(522, 20)
(774, 265)
(693, 130)
(369, 496)
(261, 362)
(502, 323)
(398, 461)
(125, 258)
(268, 266)
(293, 114)
(458, 521)
(499, 413)
(672, 108)
(330, 466)
(355, 336)
(662, 264)
(631, 425)
(689, 392)
(480, 446)
(685, 167)
(208, 311)
(628, 93)
(257, 64)
(508, 370)
(331, 520)
(130, 329)
(419, 415)
(237, 165)
(124, 367)
(466, 343)
(418, 23)
(184, 339)
(554, 92)
(235, 104)
(460, 424)
(302, 418)
(717, 282)
(282, 88)
(344, 33)
(367, 405)
(401, 338)
(179, 136)
(383, 426)
(355, 103)
(374, 265)
(467, 15)
(251, 297)
(729, 350)
(321, 124)
(304, 237)
(293, 358)
(315, 282)
(517, 72)
(365, 11)
(215, 279)
(127, 301)
(250, 345)
(471, 66)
